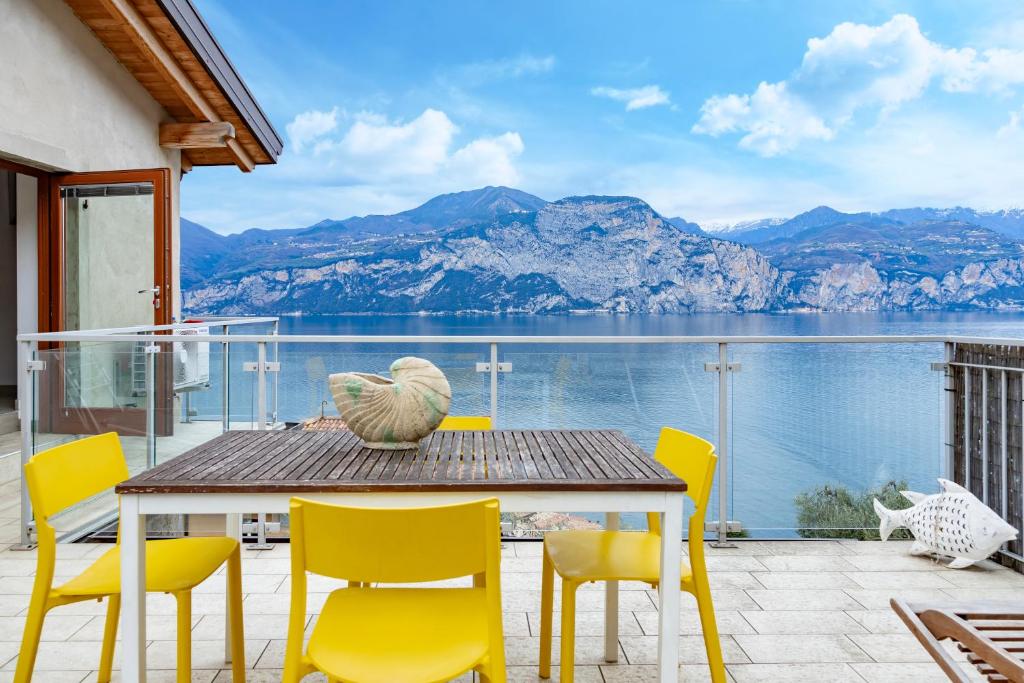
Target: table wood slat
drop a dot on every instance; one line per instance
(337, 461)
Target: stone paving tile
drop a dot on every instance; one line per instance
(526, 651)
(996, 594)
(781, 622)
(984, 575)
(803, 580)
(588, 624)
(876, 547)
(890, 562)
(648, 673)
(734, 563)
(899, 580)
(158, 627)
(728, 622)
(732, 580)
(56, 627)
(800, 649)
(807, 563)
(899, 673)
(824, 599)
(644, 650)
(722, 598)
(59, 677)
(818, 548)
(878, 621)
(878, 599)
(793, 673)
(892, 647)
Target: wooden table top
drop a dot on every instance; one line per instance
(513, 460)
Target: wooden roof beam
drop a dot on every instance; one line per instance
(155, 52)
(196, 135)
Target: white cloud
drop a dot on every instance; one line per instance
(855, 67)
(309, 126)
(376, 148)
(635, 98)
(489, 161)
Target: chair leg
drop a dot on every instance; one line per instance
(30, 639)
(568, 653)
(547, 608)
(184, 599)
(712, 642)
(235, 616)
(109, 638)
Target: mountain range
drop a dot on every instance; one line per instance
(498, 249)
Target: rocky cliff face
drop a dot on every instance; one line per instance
(580, 253)
(861, 287)
(501, 250)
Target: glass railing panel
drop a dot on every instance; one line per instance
(820, 430)
(636, 388)
(84, 390)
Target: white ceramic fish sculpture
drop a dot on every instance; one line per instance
(953, 523)
(393, 413)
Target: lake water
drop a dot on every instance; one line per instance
(802, 415)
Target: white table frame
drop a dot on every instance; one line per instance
(669, 504)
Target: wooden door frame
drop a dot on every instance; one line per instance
(45, 314)
(51, 260)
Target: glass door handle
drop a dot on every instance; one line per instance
(151, 290)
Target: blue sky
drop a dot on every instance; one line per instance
(714, 111)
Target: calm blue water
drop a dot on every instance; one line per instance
(802, 415)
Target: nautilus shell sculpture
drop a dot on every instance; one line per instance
(393, 413)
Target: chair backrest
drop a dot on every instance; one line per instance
(394, 545)
(59, 477)
(466, 423)
(693, 460)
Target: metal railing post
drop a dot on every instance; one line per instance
(26, 413)
(261, 385)
(277, 360)
(261, 411)
(226, 390)
(494, 383)
(949, 394)
(151, 350)
(723, 445)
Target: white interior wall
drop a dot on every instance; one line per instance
(28, 256)
(8, 286)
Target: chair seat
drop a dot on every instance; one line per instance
(394, 635)
(594, 555)
(172, 565)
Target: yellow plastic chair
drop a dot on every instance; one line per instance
(581, 556)
(465, 423)
(392, 634)
(68, 474)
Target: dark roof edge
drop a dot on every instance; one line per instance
(200, 39)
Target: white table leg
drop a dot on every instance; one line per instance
(611, 604)
(668, 589)
(232, 529)
(133, 591)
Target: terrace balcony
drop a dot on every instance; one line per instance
(798, 594)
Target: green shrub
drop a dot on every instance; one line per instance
(836, 512)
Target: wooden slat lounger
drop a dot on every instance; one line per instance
(992, 635)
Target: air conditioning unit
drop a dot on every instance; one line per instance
(192, 360)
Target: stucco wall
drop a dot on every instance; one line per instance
(68, 105)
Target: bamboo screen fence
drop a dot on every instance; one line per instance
(988, 432)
